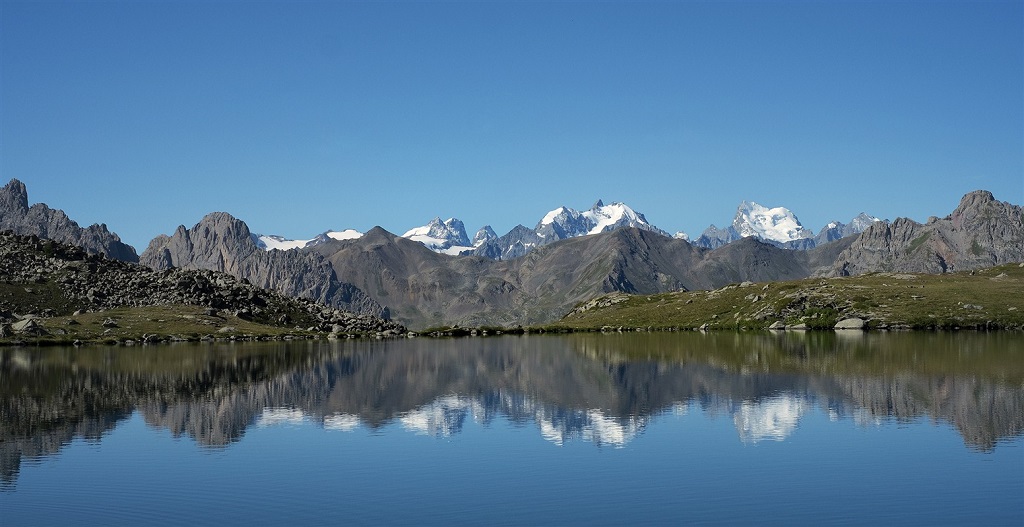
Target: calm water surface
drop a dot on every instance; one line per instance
(597, 429)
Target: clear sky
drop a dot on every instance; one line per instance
(299, 117)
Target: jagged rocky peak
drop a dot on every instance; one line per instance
(484, 235)
(14, 198)
(448, 236)
(42, 221)
(216, 243)
(980, 203)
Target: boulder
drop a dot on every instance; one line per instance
(777, 325)
(850, 323)
(24, 326)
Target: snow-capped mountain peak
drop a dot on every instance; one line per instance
(618, 214)
(484, 235)
(448, 236)
(565, 222)
(777, 224)
(861, 222)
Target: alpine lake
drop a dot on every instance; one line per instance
(921, 428)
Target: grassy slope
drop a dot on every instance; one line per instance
(987, 298)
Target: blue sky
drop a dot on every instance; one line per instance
(299, 117)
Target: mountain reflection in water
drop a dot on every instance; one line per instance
(604, 389)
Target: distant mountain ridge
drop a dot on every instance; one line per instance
(778, 226)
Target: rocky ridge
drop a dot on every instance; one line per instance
(981, 232)
(44, 222)
(220, 242)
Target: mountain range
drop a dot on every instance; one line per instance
(777, 225)
(537, 276)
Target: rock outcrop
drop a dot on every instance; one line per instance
(220, 242)
(44, 222)
(981, 232)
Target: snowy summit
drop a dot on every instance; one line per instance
(269, 242)
(777, 224)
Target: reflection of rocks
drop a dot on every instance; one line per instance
(595, 388)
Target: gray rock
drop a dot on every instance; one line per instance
(24, 325)
(850, 323)
(777, 325)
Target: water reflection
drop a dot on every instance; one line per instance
(604, 389)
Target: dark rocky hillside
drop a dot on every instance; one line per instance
(44, 222)
(44, 278)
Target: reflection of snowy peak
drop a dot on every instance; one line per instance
(269, 242)
(447, 236)
(442, 418)
(448, 415)
(775, 418)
